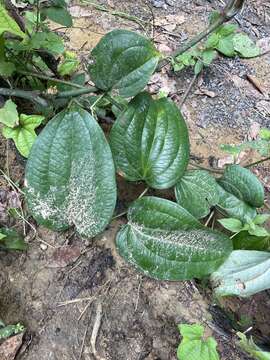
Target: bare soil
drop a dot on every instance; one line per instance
(55, 288)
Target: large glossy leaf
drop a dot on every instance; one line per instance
(197, 191)
(70, 176)
(123, 61)
(150, 142)
(244, 273)
(165, 242)
(235, 207)
(243, 184)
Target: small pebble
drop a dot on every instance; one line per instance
(43, 246)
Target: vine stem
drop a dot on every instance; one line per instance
(49, 78)
(257, 162)
(33, 96)
(217, 171)
(74, 93)
(230, 10)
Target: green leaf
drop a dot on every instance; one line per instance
(235, 207)
(227, 29)
(7, 68)
(165, 242)
(245, 46)
(251, 348)
(70, 174)
(208, 56)
(242, 183)
(11, 240)
(226, 46)
(198, 67)
(194, 346)
(48, 41)
(265, 134)
(9, 115)
(123, 61)
(214, 16)
(2, 236)
(58, 15)
(245, 241)
(261, 219)
(150, 142)
(69, 65)
(234, 225)
(24, 134)
(258, 231)
(10, 330)
(197, 191)
(7, 24)
(212, 41)
(243, 274)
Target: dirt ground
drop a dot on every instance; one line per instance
(57, 287)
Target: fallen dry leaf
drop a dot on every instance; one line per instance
(257, 84)
(254, 131)
(246, 87)
(264, 107)
(64, 256)
(170, 22)
(162, 82)
(226, 160)
(10, 347)
(264, 44)
(79, 11)
(163, 48)
(203, 91)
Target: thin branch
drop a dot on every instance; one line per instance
(188, 90)
(257, 162)
(217, 171)
(33, 96)
(232, 8)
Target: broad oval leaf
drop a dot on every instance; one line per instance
(124, 61)
(150, 142)
(244, 273)
(165, 242)
(197, 191)
(243, 240)
(235, 207)
(70, 175)
(243, 184)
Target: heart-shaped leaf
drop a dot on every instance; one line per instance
(70, 174)
(243, 184)
(197, 191)
(123, 61)
(150, 142)
(235, 207)
(244, 273)
(165, 242)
